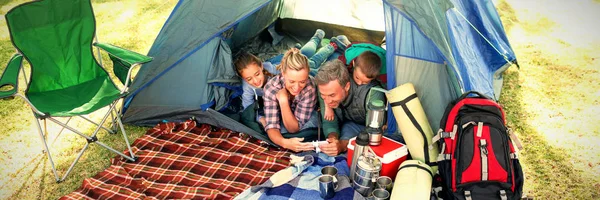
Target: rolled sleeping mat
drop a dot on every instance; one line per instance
(413, 181)
(413, 124)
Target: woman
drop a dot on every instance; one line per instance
(290, 100)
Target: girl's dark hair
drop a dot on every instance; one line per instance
(244, 59)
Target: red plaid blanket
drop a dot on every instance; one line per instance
(185, 161)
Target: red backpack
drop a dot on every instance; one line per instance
(477, 159)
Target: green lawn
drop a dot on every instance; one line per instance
(25, 171)
(552, 101)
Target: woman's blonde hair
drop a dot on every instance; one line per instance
(294, 60)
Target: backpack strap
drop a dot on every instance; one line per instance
(484, 158)
(468, 195)
(503, 195)
(514, 138)
(441, 134)
(443, 157)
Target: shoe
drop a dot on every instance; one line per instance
(298, 46)
(319, 33)
(341, 46)
(344, 39)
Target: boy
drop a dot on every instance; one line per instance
(365, 61)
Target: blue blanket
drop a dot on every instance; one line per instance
(300, 180)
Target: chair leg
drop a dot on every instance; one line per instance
(90, 139)
(107, 129)
(46, 148)
(74, 162)
(125, 137)
(113, 125)
(60, 132)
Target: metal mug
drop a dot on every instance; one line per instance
(327, 186)
(384, 182)
(332, 171)
(329, 170)
(380, 194)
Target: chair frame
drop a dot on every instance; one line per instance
(113, 112)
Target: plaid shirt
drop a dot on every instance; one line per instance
(302, 106)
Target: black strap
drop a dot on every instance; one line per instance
(417, 166)
(415, 123)
(404, 101)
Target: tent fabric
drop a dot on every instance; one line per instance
(191, 56)
(431, 84)
(443, 47)
(363, 14)
(453, 26)
(435, 31)
(478, 60)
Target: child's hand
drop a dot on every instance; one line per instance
(329, 114)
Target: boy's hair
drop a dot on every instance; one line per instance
(243, 60)
(294, 60)
(369, 64)
(333, 70)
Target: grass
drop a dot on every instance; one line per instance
(552, 101)
(25, 171)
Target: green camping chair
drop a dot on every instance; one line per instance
(55, 37)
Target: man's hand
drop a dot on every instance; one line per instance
(282, 95)
(334, 146)
(296, 145)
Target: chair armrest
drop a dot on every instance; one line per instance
(123, 60)
(10, 77)
(125, 55)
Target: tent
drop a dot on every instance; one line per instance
(443, 47)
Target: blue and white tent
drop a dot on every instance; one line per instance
(443, 47)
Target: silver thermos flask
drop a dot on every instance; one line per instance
(362, 141)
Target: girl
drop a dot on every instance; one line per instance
(254, 74)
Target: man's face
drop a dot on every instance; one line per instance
(333, 93)
(295, 81)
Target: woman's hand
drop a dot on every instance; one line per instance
(296, 145)
(282, 96)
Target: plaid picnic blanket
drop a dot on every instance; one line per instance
(186, 161)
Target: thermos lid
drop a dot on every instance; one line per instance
(377, 104)
(363, 138)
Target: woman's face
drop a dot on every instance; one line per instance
(253, 75)
(295, 81)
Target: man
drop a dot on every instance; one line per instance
(348, 100)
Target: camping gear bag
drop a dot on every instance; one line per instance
(390, 153)
(413, 124)
(413, 181)
(478, 160)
